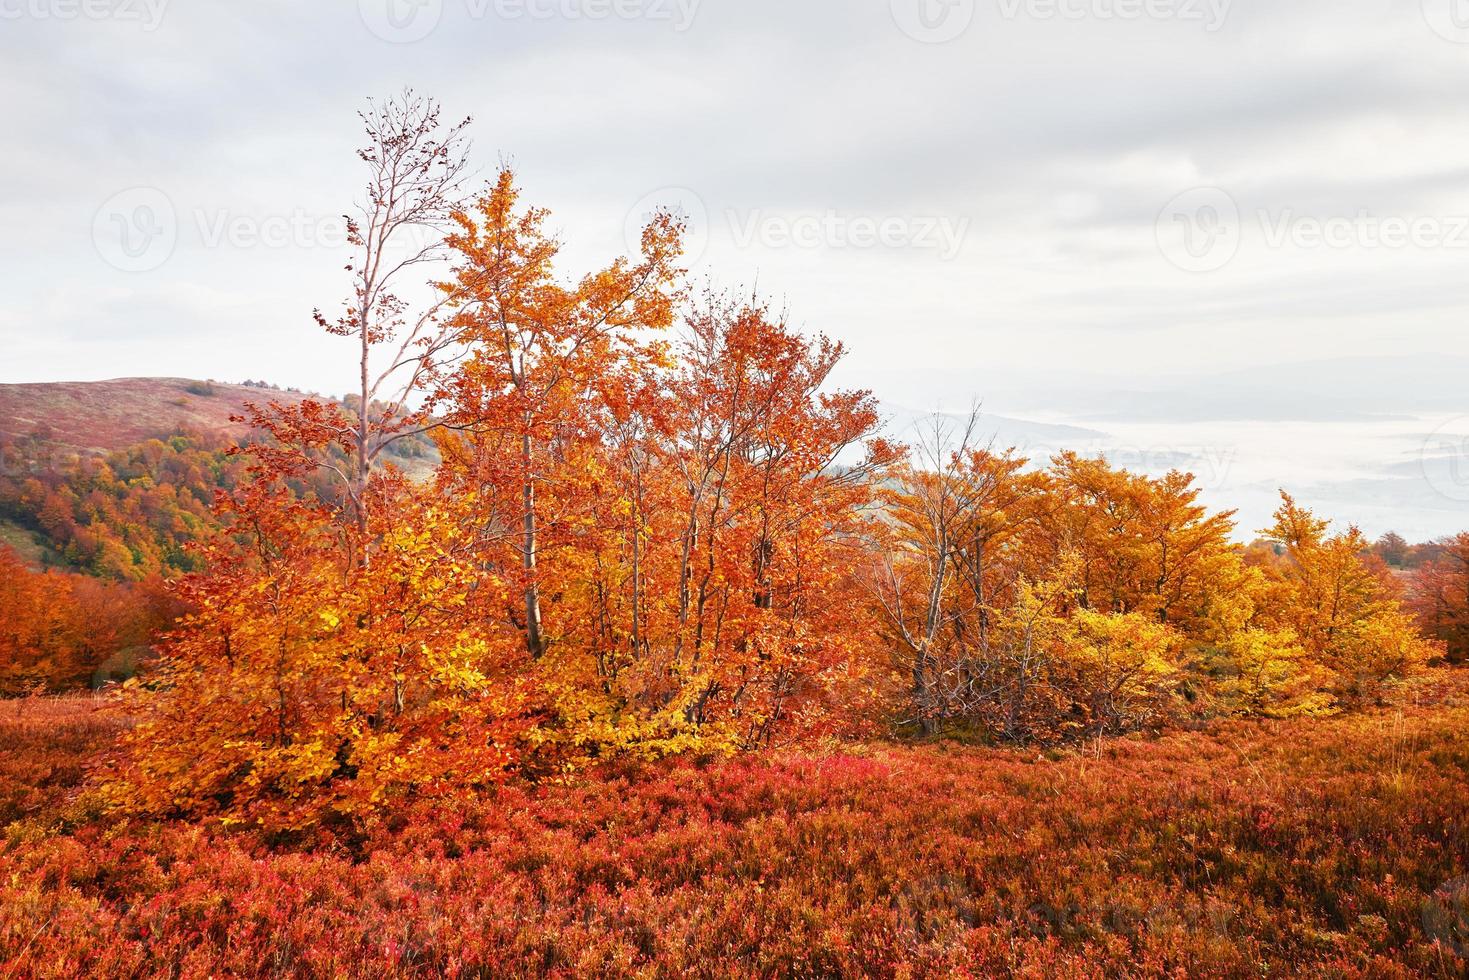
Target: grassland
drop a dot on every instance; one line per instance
(1333, 847)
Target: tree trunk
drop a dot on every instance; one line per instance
(533, 641)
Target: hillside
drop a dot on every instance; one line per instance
(106, 416)
(117, 478)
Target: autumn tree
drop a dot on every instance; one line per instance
(956, 510)
(1147, 545)
(1344, 611)
(1440, 597)
(417, 167)
(770, 476)
(327, 667)
(524, 397)
(309, 690)
(1393, 548)
(1106, 584)
(61, 631)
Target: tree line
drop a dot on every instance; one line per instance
(655, 527)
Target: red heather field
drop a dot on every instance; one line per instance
(1329, 847)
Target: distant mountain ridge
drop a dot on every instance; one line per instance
(106, 416)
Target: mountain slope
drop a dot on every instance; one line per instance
(105, 416)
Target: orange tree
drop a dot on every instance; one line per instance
(1440, 597)
(1330, 593)
(631, 545)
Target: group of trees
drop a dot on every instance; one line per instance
(656, 528)
(634, 541)
(1080, 599)
(128, 515)
(60, 630)
(1439, 592)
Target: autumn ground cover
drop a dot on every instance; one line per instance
(1331, 846)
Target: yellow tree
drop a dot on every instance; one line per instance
(1342, 609)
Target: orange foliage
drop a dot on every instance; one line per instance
(1440, 597)
(656, 528)
(658, 536)
(59, 630)
(1339, 602)
(130, 514)
(631, 547)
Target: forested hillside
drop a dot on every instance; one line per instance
(107, 492)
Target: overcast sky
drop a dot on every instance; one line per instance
(1133, 215)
